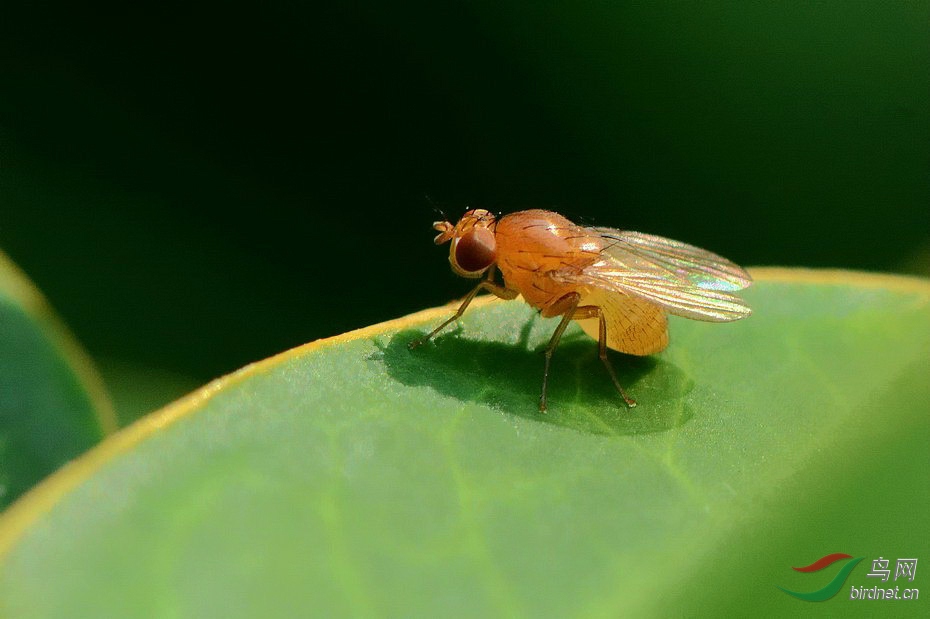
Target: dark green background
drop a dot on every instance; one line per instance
(198, 187)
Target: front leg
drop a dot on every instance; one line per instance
(487, 284)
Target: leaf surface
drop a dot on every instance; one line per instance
(354, 476)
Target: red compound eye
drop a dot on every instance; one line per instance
(476, 250)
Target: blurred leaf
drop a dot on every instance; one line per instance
(352, 476)
(52, 403)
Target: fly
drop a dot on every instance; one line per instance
(619, 285)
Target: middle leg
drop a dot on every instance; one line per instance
(568, 307)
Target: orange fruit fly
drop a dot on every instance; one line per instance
(619, 285)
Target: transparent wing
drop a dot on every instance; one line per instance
(685, 280)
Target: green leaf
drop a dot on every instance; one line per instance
(352, 476)
(52, 403)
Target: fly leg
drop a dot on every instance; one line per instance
(602, 350)
(567, 306)
(487, 284)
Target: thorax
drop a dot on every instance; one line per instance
(532, 244)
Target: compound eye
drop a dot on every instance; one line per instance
(476, 250)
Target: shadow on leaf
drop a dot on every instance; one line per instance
(509, 377)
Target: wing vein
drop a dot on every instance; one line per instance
(683, 279)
